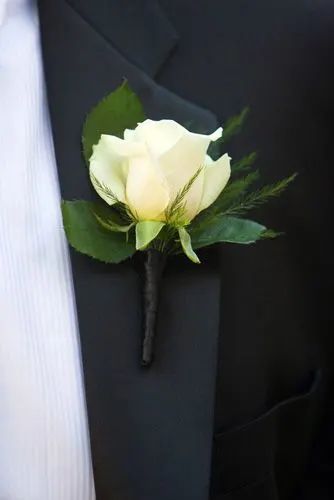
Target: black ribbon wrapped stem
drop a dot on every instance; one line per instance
(154, 265)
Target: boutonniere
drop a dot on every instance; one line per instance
(163, 190)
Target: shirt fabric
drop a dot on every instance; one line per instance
(44, 443)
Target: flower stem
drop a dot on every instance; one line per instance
(154, 265)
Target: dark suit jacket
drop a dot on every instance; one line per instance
(189, 429)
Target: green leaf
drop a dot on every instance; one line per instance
(146, 231)
(119, 110)
(185, 239)
(244, 163)
(229, 230)
(110, 219)
(87, 236)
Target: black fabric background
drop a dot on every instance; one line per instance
(278, 58)
(271, 442)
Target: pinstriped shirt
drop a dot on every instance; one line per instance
(44, 444)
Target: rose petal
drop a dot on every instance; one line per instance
(146, 192)
(181, 162)
(109, 166)
(159, 136)
(216, 176)
(129, 134)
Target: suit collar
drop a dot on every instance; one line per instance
(140, 30)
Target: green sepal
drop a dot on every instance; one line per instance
(227, 229)
(146, 231)
(119, 110)
(87, 236)
(185, 240)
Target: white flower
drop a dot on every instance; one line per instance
(151, 165)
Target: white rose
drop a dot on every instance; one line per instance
(151, 165)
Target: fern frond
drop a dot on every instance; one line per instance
(123, 209)
(244, 163)
(176, 209)
(260, 196)
(230, 195)
(234, 125)
(234, 190)
(104, 189)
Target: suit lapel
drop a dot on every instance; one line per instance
(146, 427)
(138, 30)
